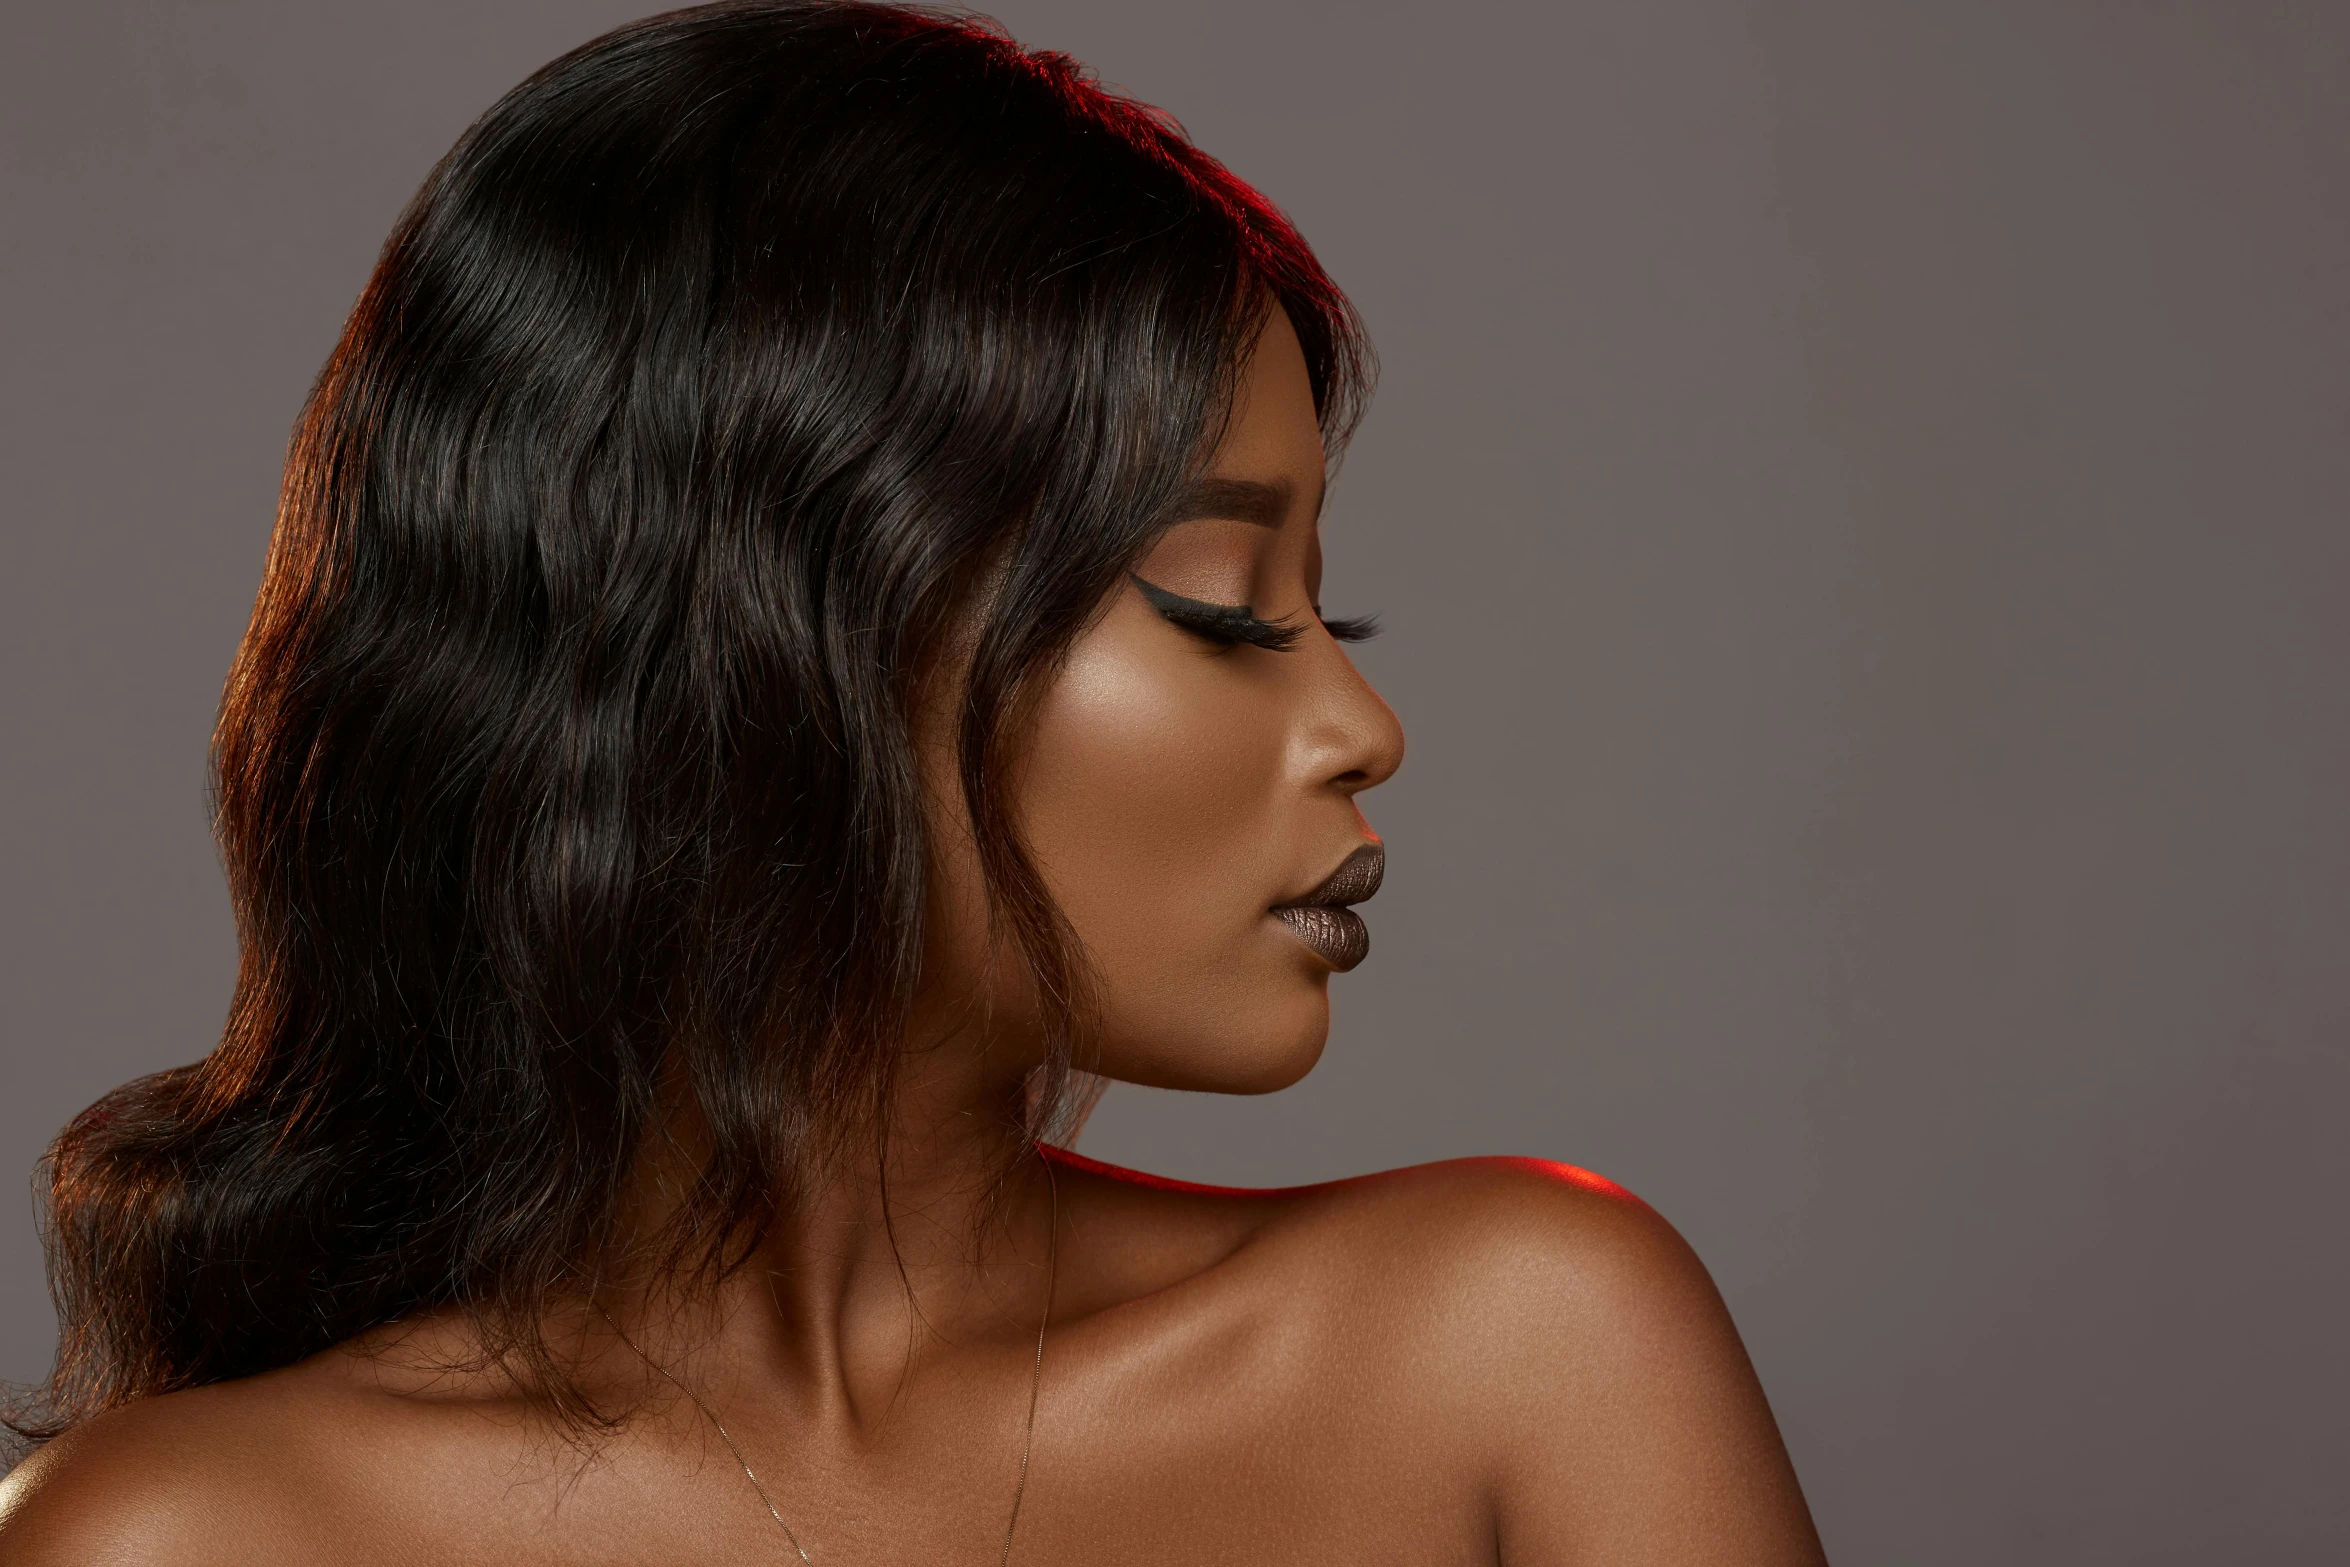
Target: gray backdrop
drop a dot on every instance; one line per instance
(1858, 499)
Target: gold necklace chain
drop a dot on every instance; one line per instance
(1027, 1437)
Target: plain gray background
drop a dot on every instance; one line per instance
(1859, 501)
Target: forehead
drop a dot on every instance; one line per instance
(1274, 437)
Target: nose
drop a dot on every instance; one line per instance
(1354, 741)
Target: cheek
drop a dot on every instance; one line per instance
(1157, 799)
(1149, 798)
(1156, 803)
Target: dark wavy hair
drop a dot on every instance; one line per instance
(716, 373)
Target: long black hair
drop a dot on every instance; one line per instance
(569, 744)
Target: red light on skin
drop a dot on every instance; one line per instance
(1572, 1175)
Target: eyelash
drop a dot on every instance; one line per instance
(1232, 624)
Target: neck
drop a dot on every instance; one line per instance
(933, 1230)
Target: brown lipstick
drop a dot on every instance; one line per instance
(1322, 918)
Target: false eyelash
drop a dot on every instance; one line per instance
(1232, 624)
(1229, 624)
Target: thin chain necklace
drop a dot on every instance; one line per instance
(1027, 1436)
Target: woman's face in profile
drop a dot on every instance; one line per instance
(1178, 786)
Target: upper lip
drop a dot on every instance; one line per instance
(1355, 881)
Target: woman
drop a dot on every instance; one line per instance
(793, 624)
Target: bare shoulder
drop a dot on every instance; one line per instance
(249, 1471)
(193, 1477)
(1505, 1211)
(1492, 1268)
(1474, 1234)
(1519, 1264)
(1564, 1343)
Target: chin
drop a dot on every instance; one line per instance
(1278, 1069)
(1281, 1047)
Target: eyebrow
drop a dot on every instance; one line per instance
(1241, 500)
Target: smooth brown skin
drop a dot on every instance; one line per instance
(1476, 1361)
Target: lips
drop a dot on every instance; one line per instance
(1322, 920)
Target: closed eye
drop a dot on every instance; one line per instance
(1227, 624)
(1233, 624)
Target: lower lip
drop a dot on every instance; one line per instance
(1337, 935)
